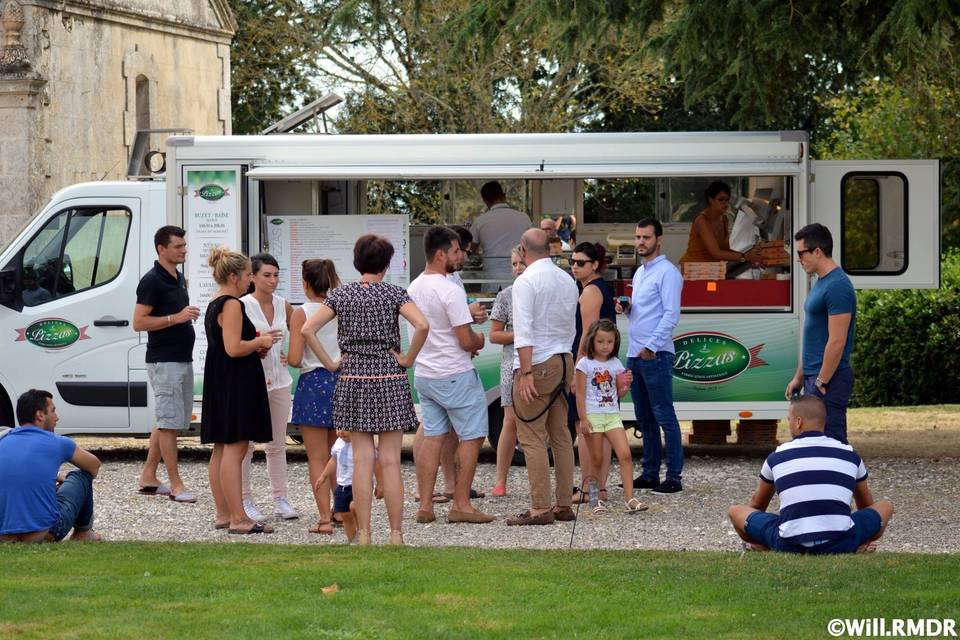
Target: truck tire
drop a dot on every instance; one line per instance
(495, 426)
(7, 419)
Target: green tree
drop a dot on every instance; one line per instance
(273, 59)
(880, 119)
(763, 60)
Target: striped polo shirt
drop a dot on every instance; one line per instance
(814, 476)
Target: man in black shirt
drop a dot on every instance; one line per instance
(164, 311)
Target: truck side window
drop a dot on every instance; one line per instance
(873, 220)
(76, 250)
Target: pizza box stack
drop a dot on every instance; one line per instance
(705, 270)
(773, 253)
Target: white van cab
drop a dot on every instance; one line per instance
(68, 280)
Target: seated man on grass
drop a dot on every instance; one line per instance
(815, 476)
(32, 508)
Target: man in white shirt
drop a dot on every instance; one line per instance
(497, 231)
(544, 309)
(449, 387)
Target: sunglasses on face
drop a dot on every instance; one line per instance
(581, 263)
(800, 252)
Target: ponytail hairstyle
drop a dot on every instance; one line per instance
(257, 262)
(320, 274)
(603, 324)
(226, 262)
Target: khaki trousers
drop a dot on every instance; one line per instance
(550, 427)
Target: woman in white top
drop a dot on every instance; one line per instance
(270, 312)
(313, 403)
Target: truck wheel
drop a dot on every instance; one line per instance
(7, 418)
(494, 423)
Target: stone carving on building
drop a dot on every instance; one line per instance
(13, 56)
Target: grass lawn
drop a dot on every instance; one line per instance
(140, 590)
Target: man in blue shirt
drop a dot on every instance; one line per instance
(654, 311)
(815, 477)
(831, 320)
(32, 508)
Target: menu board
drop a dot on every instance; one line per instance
(291, 239)
(211, 213)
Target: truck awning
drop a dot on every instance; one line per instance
(541, 171)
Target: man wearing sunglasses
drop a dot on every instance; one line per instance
(828, 331)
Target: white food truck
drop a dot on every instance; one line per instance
(68, 280)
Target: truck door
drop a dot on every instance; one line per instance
(79, 277)
(885, 219)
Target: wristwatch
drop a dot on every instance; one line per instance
(820, 382)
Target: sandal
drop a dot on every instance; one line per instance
(601, 507)
(635, 506)
(258, 527)
(499, 491)
(474, 495)
(323, 527)
(580, 497)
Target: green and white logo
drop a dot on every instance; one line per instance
(277, 221)
(52, 333)
(708, 357)
(211, 192)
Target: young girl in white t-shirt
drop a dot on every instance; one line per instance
(601, 380)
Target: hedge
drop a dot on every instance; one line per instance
(907, 349)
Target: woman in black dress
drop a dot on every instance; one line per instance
(235, 405)
(596, 302)
(372, 396)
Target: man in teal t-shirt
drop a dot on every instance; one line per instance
(828, 331)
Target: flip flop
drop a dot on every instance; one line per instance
(184, 497)
(256, 528)
(474, 495)
(159, 490)
(439, 498)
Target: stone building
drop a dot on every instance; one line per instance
(78, 78)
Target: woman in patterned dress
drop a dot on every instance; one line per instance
(372, 395)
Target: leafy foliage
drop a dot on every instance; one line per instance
(908, 343)
(273, 61)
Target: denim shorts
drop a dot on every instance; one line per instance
(456, 401)
(172, 384)
(342, 497)
(764, 528)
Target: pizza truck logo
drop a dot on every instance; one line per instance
(211, 192)
(52, 333)
(709, 357)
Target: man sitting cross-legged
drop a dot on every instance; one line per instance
(815, 477)
(32, 508)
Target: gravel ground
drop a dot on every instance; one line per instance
(925, 493)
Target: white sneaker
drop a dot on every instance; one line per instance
(284, 510)
(252, 512)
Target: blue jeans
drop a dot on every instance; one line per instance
(838, 397)
(75, 497)
(652, 392)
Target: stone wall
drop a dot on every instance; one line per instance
(71, 115)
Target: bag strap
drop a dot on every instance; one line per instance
(553, 395)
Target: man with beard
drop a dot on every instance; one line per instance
(654, 311)
(449, 387)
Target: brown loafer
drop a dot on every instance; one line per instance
(425, 517)
(525, 519)
(564, 514)
(471, 518)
